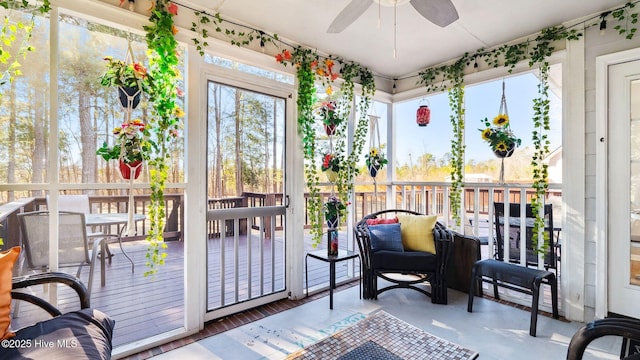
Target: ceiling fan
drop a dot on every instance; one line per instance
(439, 12)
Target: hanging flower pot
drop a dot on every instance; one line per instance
(423, 115)
(501, 154)
(330, 129)
(131, 169)
(373, 171)
(332, 222)
(129, 96)
(332, 176)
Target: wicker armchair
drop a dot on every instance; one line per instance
(424, 266)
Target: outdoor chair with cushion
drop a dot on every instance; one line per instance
(405, 248)
(81, 334)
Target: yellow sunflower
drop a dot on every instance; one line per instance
(373, 152)
(501, 146)
(486, 134)
(501, 120)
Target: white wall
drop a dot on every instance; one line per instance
(595, 45)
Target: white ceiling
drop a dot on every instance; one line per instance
(420, 44)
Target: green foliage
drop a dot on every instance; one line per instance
(456, 98)
(163, 124)
(236, 37)
(12, 31)
(541, 144)
(626, 20)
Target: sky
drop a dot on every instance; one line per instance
(482, 101)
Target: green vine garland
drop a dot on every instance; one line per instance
(310, 69)
(165, 122)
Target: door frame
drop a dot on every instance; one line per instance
(230, 77)
(602, 105)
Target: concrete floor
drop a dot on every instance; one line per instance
(494, 330)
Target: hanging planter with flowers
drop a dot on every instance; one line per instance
(334, 210)
(375, 160)
(330, 117)
(500, 137)
(331, 166)
(128, 76)
(127, 148)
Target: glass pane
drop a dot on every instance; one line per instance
(634, 182)
(89, 112)
(24, 109)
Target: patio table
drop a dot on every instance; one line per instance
(108, 219)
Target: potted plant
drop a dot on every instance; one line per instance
(130, 78)
(333, 210)
(128, 148)
(331, 166)
(375, 160)
(330, 117)
(500, 137)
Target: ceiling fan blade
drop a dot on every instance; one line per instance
(349, 14)
(439, 12)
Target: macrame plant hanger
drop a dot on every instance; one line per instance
(129, 58)
(503, 110)
(374, 142)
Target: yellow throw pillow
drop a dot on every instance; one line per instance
(417, 232)
(7, 259)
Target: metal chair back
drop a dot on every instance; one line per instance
(516, 238)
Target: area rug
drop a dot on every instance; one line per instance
(384, 337)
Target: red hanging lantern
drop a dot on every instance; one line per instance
(423, 115)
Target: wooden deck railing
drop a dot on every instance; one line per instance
(425, 197)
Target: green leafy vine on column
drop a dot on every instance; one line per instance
(311, 68)
(164, 123)
(348, 173)
(453, 79)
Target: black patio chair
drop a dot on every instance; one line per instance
(516, 239)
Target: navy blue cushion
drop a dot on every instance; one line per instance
(418, 261)
(385, 237)
(82, 334)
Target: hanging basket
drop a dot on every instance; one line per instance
(132, 169)
(373, 171)
(332, 176)
(511, 148)
(332, 222)
(129, 97)
(423, 115)
(330, 129)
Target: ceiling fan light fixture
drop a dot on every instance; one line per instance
(391, 3)
(439, 12)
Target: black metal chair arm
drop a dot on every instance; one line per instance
(626, 328)
(21, 282)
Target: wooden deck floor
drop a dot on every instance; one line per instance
(147, 306)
